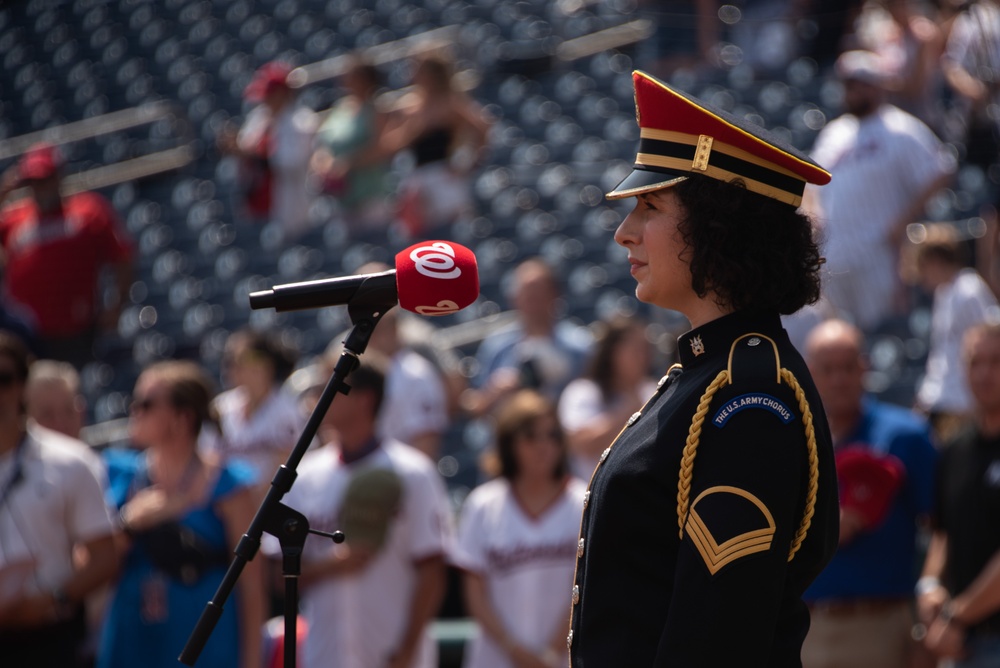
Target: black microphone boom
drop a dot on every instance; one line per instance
(376, 290)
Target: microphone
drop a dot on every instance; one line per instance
(430, 278)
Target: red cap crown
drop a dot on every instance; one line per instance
(436, 278)
(680, 136)
(39, 162)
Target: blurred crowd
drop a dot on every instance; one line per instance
(107, 557)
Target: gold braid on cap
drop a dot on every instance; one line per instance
(694, 436)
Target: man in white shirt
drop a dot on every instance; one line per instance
(368, 602)
(962, 299)
(51, 502)
(886, 165)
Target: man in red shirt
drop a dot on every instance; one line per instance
(55, 248)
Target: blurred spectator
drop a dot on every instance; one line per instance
(861, 604)
(181, 517)
(972, 68)
(961, 579)
(418, 334)
(909, 45)
(595, 407)
(347, 158)
(988, 249)
(961, 300)
(423, 381)
(517, 542)
(368, 602)
(539, 351)
(274, 146)
(53, 399)
(445, 130)
(55, 248)
(260, 422)
(51, 503)
(886, 164)
(415, 408)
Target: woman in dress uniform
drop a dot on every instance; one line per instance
(716, 506)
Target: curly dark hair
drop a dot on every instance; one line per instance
(752, 251)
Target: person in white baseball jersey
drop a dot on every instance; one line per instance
(886, 164)
(368, 602)
(518, 540)
(260, 422)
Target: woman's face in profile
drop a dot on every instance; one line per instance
(656, 250)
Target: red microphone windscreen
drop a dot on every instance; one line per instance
(436, 278)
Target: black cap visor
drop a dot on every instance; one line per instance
(642, 181)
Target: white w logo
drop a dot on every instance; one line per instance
(436, 261)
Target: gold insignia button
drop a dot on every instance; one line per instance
(569, 640)
(579, 549)
(604, 455)
(586, 498)
(576, 594)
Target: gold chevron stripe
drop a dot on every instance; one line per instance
(733, 543)
(718, 556)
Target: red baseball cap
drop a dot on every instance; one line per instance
(267, 78)
(869, 481)
(39, 162)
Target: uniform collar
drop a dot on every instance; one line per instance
(715, 338)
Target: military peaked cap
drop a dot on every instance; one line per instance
(680, 136)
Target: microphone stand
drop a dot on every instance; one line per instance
(289, 526)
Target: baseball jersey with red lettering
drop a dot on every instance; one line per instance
(526, 561)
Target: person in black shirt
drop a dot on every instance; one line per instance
(716, 506)
(959, 592)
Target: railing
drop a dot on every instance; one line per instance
(127, 170)
(603, 40)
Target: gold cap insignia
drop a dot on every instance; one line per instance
(697, 347)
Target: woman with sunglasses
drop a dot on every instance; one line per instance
(181, 516)
(517, 541)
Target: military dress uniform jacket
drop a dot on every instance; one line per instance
(711, 573)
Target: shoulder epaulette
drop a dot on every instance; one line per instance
(753, 361)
